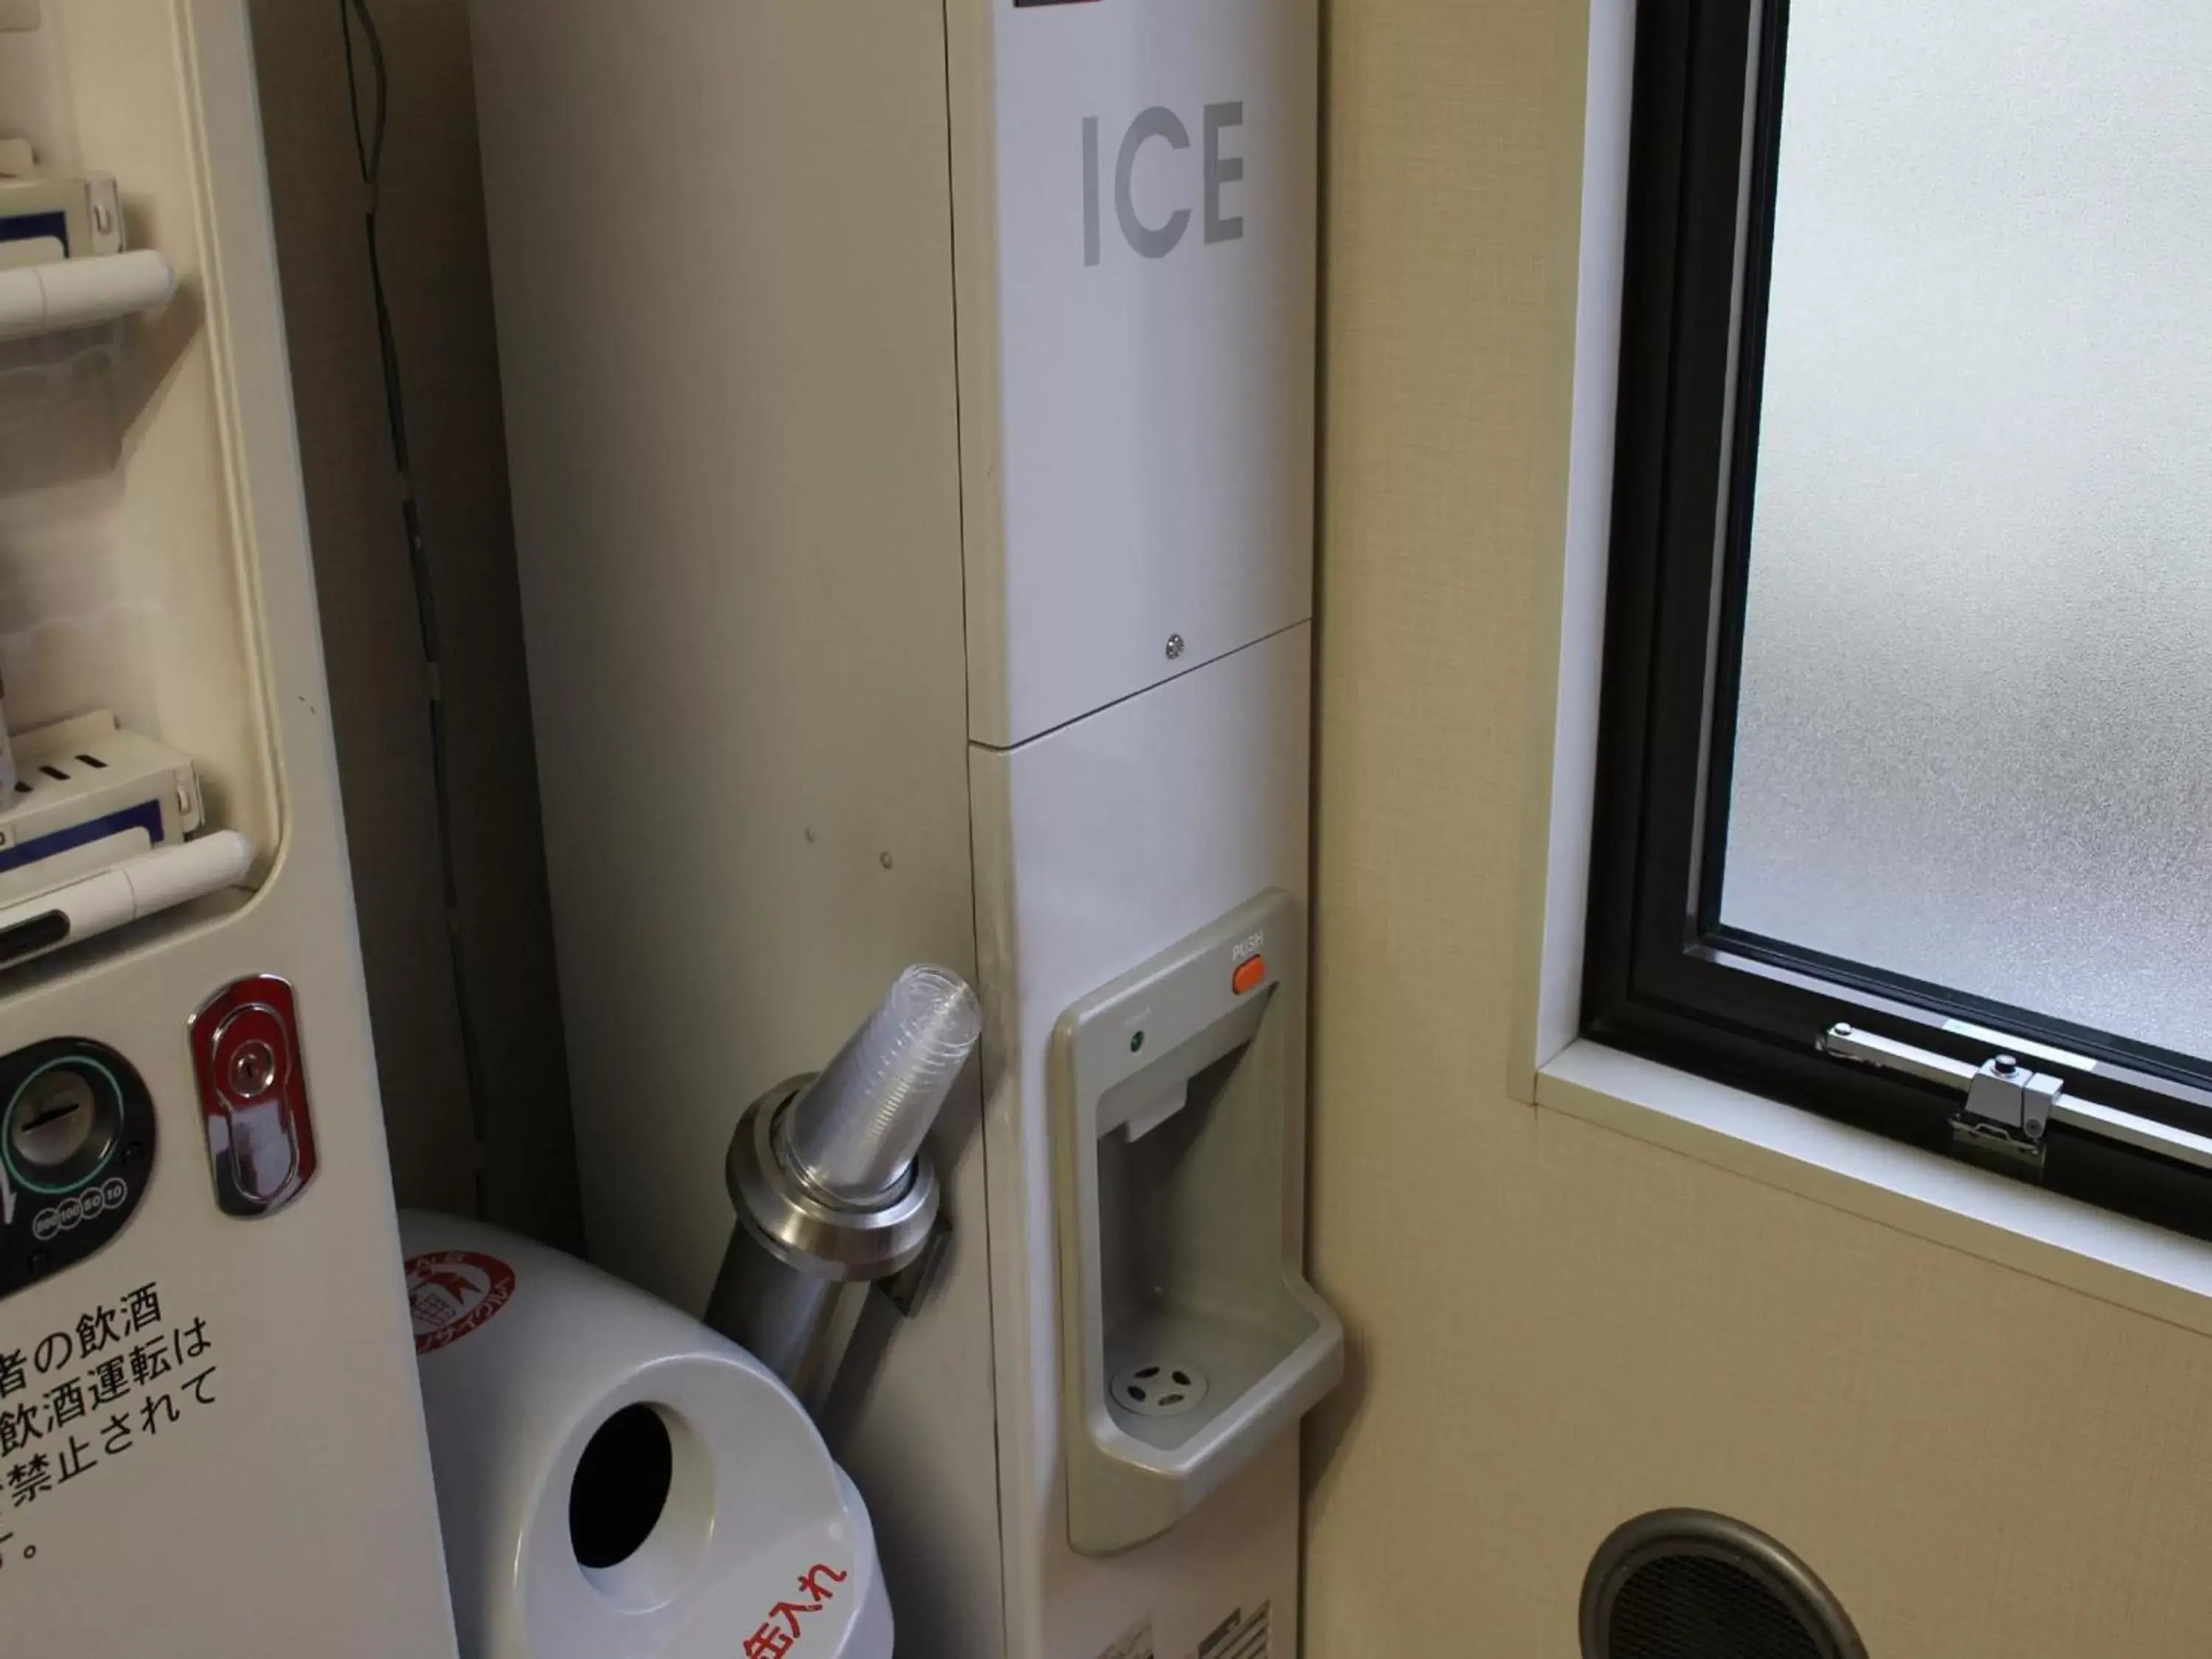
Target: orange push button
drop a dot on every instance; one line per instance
(1248, 975)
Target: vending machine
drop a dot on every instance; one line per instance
(210, 1436)
(911, 425)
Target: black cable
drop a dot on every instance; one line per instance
(369, 129)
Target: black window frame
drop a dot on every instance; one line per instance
(1663, 977)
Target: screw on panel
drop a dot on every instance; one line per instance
(1175, 647)
(886, 860)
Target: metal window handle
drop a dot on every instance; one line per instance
(2008, 1106)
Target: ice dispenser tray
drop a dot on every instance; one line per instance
(1190, 1338)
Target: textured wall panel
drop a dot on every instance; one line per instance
(1559, 1326)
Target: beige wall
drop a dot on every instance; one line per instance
(440, 286)
(1557, 1325)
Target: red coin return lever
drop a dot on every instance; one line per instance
(254, 1094)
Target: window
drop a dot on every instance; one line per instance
(1907, 761)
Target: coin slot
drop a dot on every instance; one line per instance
(61, 1126)
(56, 1121)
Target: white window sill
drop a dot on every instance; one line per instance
(2130, 1263)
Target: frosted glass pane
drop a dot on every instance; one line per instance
(1975, 738)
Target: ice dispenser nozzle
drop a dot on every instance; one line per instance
(1190, 1339)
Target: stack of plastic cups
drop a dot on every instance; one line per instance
(833, 1186)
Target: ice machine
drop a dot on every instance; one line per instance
(911, 425)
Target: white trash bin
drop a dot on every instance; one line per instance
(615, 1479)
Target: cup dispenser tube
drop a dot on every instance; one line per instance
(1190, 1338)
(834, 1188)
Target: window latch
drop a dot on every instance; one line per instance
(2009, 1106)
